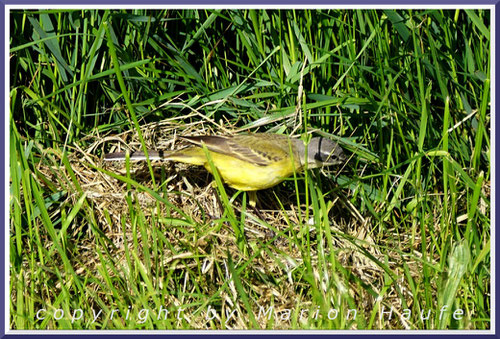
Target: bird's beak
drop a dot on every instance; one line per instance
(335, 159)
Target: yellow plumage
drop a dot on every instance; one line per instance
(239, 174)
(245, 162)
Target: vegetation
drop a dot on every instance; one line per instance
(398, 238)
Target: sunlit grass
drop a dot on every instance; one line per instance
(404, 226)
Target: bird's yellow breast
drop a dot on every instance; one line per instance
(246, 176)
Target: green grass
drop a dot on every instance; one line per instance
(404, 226)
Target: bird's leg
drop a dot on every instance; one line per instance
(253, 205)
(252, 197)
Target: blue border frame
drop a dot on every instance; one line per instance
(5, 168)
(253, 2)
(2, 168)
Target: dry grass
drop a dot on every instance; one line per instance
(405, 225)
(189, 189)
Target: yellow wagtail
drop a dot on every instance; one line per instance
(249, 162)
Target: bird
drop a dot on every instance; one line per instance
(249, 162)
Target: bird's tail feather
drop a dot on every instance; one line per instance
(135, 156)
(189, 155)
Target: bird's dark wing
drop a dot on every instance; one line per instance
(259, 149)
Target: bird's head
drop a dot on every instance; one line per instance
(322, 152)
